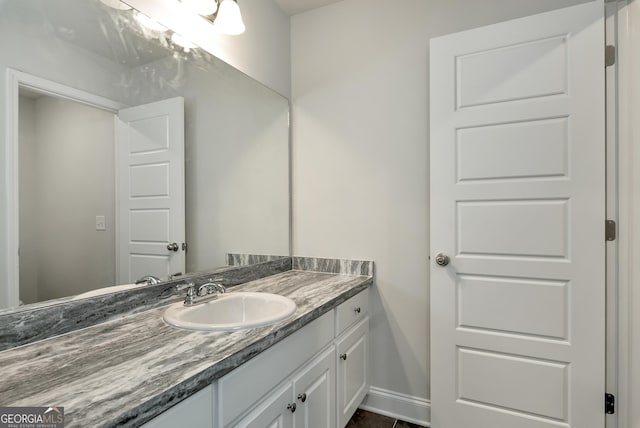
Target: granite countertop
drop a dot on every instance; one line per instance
(126, 371)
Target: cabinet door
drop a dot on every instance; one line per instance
(314, 392)
(353, 381)
(247, 385)
(196, 411)
(276, 411)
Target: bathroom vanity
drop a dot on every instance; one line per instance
(314, 378)
(136, 370)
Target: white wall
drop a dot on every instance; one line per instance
(360, 158)
(237, 173)
(263, 51)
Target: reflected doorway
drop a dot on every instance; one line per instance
(99, 190)
(67, 197)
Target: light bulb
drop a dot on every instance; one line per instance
(116, 4)
(201, 7)
(229, 19)
(182, 41)
(150, 23)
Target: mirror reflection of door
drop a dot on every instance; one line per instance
(67, 193)
(150, 177)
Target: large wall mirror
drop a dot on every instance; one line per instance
(135, 153)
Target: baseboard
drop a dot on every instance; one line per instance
(400, 406)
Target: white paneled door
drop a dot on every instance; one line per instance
(151, 193)
(517, 206)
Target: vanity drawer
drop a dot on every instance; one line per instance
(352, 311)
(239, 390)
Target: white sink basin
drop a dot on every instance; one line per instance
(232, 311)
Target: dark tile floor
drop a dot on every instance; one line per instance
(364, 419)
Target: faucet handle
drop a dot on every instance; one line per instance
(191, 292)
(204, 290)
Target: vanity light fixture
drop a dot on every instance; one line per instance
(229, 19)
(224, 14)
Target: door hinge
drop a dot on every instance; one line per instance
(610, 230)
(609, 403)
(609, 55)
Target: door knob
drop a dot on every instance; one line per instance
(173, 247)
(343, 357)
(302, 397)
(442, 259)
(291, 407)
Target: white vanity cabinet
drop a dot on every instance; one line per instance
(315, 378)
(314, 391)
(350, 312)
(352, 355)
(195, 411)
(273, 412)
(255, 382)
(353, 381)
(304, 401)
(327, 377)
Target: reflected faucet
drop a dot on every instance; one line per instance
(207, 291)
(149, 279)
(173, 275)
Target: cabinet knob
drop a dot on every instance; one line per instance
(357, 310)
(292, 407)
(302, 397)
(343, 357)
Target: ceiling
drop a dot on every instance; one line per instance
(293, 7)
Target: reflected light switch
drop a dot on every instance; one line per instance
(100, 223)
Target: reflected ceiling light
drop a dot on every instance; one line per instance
(181, 41)
(149, 23)
(229, 19)
(116, 4)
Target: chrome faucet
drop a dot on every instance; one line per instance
(207, 291)
(149, 279)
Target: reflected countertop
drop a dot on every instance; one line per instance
(126, 371)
